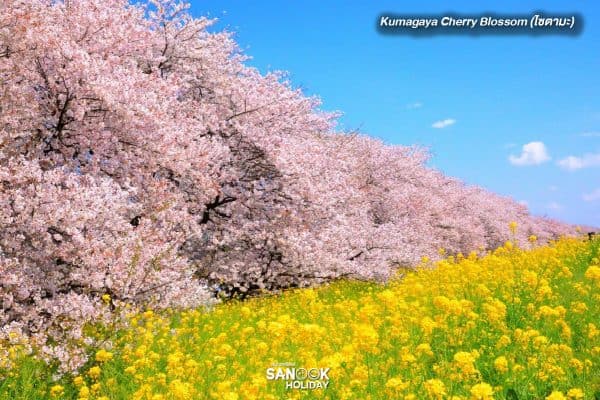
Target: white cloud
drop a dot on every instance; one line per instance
(533, 153)
(416, 104)
(443, 123)
(593, 196)
(553, 188)
(573, 163)
(554, 206)
(590, 134)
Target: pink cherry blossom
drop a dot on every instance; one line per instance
(141, 157)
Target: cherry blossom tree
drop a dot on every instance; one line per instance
(142, 159)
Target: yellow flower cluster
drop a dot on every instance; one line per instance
(509, 324)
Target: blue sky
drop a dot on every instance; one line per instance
(502, 92)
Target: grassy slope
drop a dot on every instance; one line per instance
(513, 324)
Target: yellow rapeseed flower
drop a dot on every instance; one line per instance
(396, 384)
(556, 395)
(532, 238)
(501, 364)
(515, 311)
(482, 391)
(424, 349)
(84, 392)
(103, 355)
(57, 390)
(575, 394)
(593, 273)
(435, 388)
(94, 372)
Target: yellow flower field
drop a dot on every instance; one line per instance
(513, 324)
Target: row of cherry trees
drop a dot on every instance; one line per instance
(141, 158)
